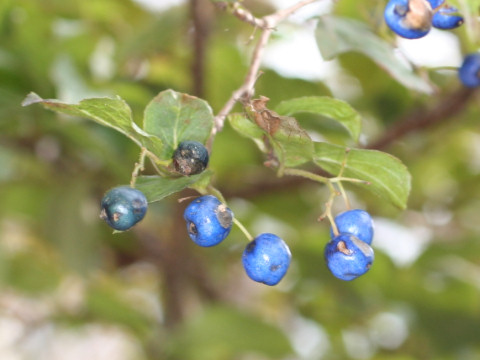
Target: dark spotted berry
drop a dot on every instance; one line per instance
(190, 158)
(266, 259)
(356, 222)
(123, 207)
(411, 19)
(446, 18)
(208, 220)
(348, 257)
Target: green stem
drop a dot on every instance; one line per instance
(243, 229)
(306, 174)
(328, 210)
(344, 195)
(339, 179)
(220, 197)
(139, 166)
(215, 192)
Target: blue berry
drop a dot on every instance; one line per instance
(347, 257)
(447, 18)
(469, 72)
(411, 19)
(190, 158)
(266, 259)
(435, 3)
(208, 220)
(123, 207)
(356, 222)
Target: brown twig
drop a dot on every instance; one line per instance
(200, 13)
(241, 13)
(267, 24)
(445, 108)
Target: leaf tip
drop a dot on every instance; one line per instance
(31, 98)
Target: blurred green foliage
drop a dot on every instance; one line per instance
(62, 268)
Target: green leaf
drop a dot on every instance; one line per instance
(114, 113)
(249, 129)
(291, 144)
(326, 106)
(175, 117)
(337, 35)
(156, 188)
(388, 176)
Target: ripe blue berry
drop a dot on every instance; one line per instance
(190, 158)
(435, 3)
(347, 257)
(208, 220)
(356, 222)
(266, 259)
(411, 19)
(469, 72)
(123, 207)
(447, 18)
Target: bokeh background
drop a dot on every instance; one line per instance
(70, 289)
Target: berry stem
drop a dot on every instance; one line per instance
(339, 179)
(139, 166)
(156, 161)
(344, 195)
(328, 209)
(215, 192)
(306, 174)
(243, 229)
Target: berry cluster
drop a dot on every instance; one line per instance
(413, 19)
(124, 206)
(349, 255)
(266, 258)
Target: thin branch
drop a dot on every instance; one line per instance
(282, 14)
(267, 24)
(444, 109)
(241, 13)
(200, 14)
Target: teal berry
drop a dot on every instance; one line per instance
(122, 207)
(446, 18)
(266, 259)
(347, 257)
(411, 19)
(208, 220)
(356, 222)
(469, 72)
(190, 158)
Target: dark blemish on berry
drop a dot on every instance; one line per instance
(192, 229)
(251, 246)
(341, 246)
(274, 267)
(419, 15)
(224, 216)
